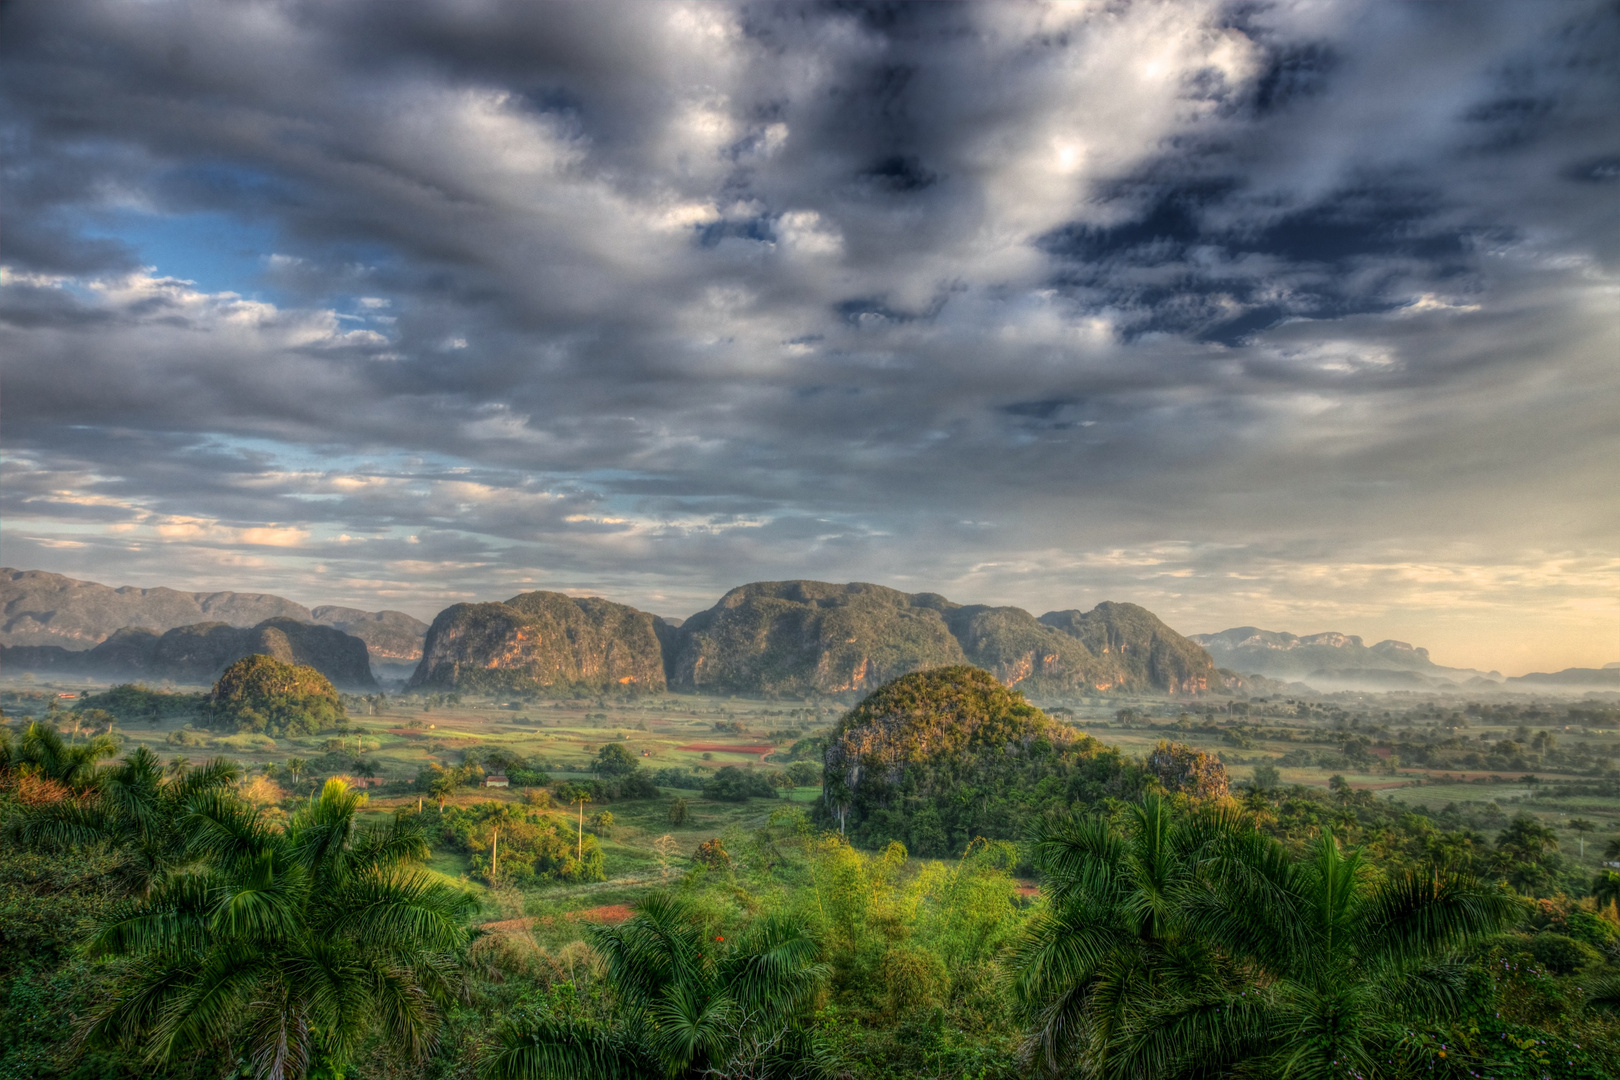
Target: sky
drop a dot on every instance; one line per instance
(1296, 315)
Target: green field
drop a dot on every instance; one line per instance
(679, 731)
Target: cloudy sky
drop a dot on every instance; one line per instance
(1302, 315)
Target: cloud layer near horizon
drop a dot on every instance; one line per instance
(1300, 315)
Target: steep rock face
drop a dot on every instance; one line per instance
(389, 635)
(541, 641)
(1022, 651)
(798, 637)
(1139, 648)
(198, 653)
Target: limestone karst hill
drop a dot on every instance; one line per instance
(544, 642)
(768, 637)
(801, 637)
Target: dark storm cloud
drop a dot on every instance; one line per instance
(1007, 299)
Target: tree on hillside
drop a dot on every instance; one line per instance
(688, 1003)
(290, 946)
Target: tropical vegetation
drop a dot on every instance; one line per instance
(1071, 912)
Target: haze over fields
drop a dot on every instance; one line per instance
(1293, 317)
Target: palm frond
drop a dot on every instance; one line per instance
(689, 1026)
(1077, 855)
(172, 920)
(1417, 914)
(64, 824)
(775, 969)
(559, 1049)
(215, 774)
(400, 909)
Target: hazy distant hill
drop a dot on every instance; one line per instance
(199, 652)
(1604, 678)
(1331, 660)
(808, 636)
(541, 641)
(39, 608)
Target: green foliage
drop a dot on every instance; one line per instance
(1173, 946)
(731, 784)
(42, 754)
(939, 757)
(290, 946)
(262, 694)
(688, 1003)
(139, 806)
(534, 847)
(135, 702)
(685, 779)
(614, 761)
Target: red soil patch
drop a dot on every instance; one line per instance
(1028, 888)
(728, 748)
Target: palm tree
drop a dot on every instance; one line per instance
(1336, 969)
(137, 806)
(41, 752)
(689, 1004)
(288, 946)
(1606, 889)
(1112, 936)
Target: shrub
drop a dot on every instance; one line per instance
(712, 853)
(677, 778)
(732, 784)
(1562, 955)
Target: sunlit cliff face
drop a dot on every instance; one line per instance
(1299, 316)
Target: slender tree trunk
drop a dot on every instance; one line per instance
(494, 853)
(580, 854)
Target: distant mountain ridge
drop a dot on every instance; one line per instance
(1332, 660)
(801, 637)
(41, 608)
(200, 652)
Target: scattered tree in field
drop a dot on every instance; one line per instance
(1183, 769)
(677, 811)
(712, 853)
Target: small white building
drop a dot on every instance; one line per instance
(495, 780)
